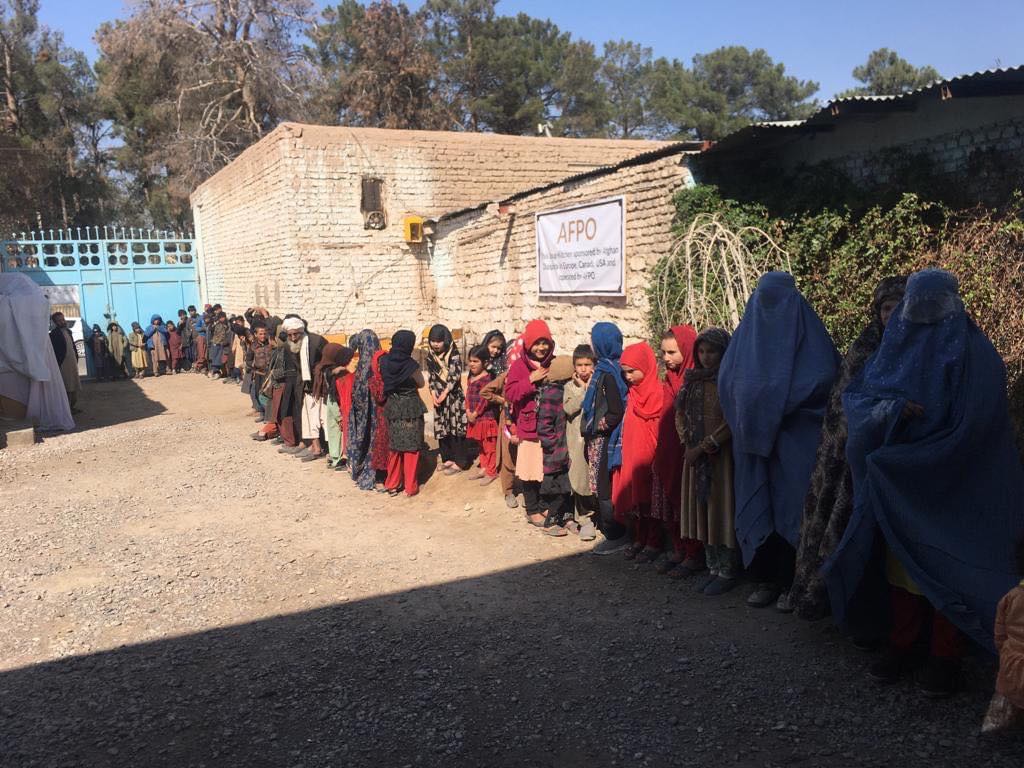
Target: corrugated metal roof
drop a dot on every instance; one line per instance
(995, 82)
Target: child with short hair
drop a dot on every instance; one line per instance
(174, 344)
(583, 361)
(707, 512)
(482, 415)
(542, 460)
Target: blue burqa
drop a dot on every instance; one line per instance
(946, 488)
(773, 384)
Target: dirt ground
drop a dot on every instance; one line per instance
(174, 594)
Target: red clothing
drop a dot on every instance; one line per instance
(475, 403)
(669, 461)
(380, 450)
(631, 486)
(343, 386)
(485, 432)
(402, 467)
(519, 390)
(174, 343)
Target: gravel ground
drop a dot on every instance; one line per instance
(173, 594)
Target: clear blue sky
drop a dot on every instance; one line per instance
(821, 41)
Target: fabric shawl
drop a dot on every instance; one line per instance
(333, 356)
(690, 401)
(606, 341)
(669, 461)
(362, 417)
(117, 341)
(631, 487)
(496, 365)
(944, 489)
(438, 363)
(519, 390)
(829, 502)
(773, 384)
(398, 365)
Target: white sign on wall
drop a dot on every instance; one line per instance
(581, 251)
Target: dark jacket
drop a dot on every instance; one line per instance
(60, 345)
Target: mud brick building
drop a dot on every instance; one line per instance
(312, 219)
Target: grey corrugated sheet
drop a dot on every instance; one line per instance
(962, 85)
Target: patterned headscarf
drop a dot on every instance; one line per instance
(362, 419)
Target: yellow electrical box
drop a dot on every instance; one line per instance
(413, 228)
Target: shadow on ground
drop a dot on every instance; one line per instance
(106, 403)
(555, 664)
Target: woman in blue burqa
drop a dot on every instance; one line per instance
(774, 384)
(937, 475)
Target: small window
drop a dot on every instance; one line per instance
(67, 248)
(83, 247)
(12, 249)
(94, 247)
(139, 258)
(372, 195)
(111, 247)
(186, 258)
(49, 249)
(185, 246)
(13, 262)
(123, 259)
(153, 247)
(32, 262)
(138, 247)
(94, 260)
(171, 258)
(50, 261)
(29, 250)
(170, 247)
(112, 259)
(67, 261)
(83, 260)
(154, 258)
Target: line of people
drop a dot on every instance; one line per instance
(882, 488)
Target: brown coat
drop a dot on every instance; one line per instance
(1009, 637)
(713, 522)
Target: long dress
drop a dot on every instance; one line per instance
(138, 345)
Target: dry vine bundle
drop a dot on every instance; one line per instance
(711, 272)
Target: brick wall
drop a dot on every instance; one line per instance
(484, 264)
(281, 226)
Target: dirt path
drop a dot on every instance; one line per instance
(173, 594)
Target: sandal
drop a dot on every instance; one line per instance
(538, 519)
(648, 555)
(394, 492)
(632, 550)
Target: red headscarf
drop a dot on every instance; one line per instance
(535, 331)
(669, 461)
(632, 483)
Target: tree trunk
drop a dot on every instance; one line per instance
(13, 119)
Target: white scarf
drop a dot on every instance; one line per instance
(304, 358)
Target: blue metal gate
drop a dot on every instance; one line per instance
(110, 273)
(123, 275)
